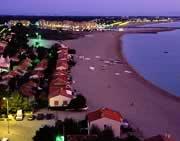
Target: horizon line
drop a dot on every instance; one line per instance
(85, 16)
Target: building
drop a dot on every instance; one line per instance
(3, 45)
(23, 22)
(67, 25)
(58, 97)
(104, 118)
(166, 137)
(4, 64)
(60, 92)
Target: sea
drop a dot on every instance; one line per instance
(156, 57)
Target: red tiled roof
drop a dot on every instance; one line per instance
(43, 64)
(58, 82)
(1, 49)
(27, 88)
(60, 77)
(38, 73)
(104, 112)
(63, 64)
(55, 91)
(60, 73)
(160, 138)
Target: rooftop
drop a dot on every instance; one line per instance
(105, 113)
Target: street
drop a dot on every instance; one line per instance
(22, 130)
(25, 130)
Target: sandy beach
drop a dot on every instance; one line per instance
(118, 86)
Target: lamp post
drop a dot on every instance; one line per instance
(7, 108)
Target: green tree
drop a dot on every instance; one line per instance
(78, 102)
(16, 101)
(107, 135)
(45, 133)
(94, 130)
(71, 126)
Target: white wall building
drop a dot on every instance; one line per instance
(61, 98)
(104, 118)
(4, 64)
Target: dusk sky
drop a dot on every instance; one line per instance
(90, 7)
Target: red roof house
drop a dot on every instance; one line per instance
(104, 118)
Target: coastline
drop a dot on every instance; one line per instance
(139, 77)
(153, 110)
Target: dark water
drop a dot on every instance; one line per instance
(156, 57)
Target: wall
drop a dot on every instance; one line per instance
(109, 122)
(60, 99)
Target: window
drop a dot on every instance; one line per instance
(107, 126)
(56, 103)
(65, 103)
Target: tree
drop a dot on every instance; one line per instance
(78, 102)
(16, 101)
(107, 135)
(18, 41)
(71, 51)
(71, 126)
(46, 133)
(59, 126)
(94, 130)
(132, 138)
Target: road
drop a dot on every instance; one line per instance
(25, 130)
(22, 130)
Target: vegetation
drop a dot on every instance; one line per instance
(102, 135)
(108, 135)
(72, 127)
(46, 133)
(16, 101)
(18, 41)
(18, 47)
(77, 103)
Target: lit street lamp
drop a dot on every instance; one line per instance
(7, 108)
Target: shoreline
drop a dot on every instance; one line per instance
(140, 77)
(153, 110)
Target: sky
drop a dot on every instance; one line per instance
(90, 7)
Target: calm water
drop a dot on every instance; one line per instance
(146, 53)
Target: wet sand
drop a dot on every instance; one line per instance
(147, 107)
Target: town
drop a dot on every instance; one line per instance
(37, 92)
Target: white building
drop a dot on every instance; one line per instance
(59, 97)
(104, 118)
(4, 64)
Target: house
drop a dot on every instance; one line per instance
(28, 89)
(4, 64)
(59, 93)
(104, 118)
(58, 97)
(166, 137)
(42, 65)
(3, 45)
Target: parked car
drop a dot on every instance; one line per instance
(40, 116)
(31, 117)
(19, 115)
(4, 139)
(49, 116)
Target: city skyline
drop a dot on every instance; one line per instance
(91, 8)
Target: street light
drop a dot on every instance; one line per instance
(7, 108)
(59, 138)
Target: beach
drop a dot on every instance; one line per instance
(106, 79)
